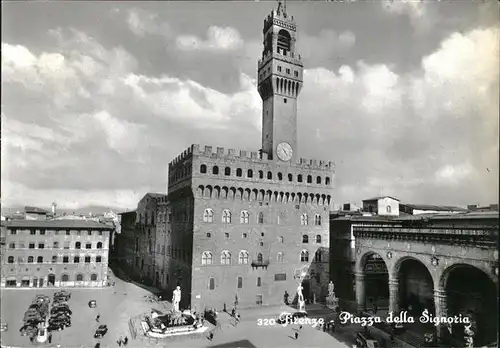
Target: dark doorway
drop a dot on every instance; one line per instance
(471, 293)
(40, 282)
(11, 283)
(259, 300)
(416, 288)
(51, 280)
(35, 282)
(376, 282)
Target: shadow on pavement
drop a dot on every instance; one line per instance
(235, 344)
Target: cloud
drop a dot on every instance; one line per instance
(322, 48)
(218, 39)
(421, 15)
(88, 116)
(142, 22)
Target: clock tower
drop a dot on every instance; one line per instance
(279, 84)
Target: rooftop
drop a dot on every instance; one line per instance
(62, 224)
(434, 207)
(36, 210)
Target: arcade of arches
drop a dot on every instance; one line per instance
(408, 285)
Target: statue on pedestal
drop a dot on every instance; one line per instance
(331, 300)
(176, 299)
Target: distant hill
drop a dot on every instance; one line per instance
(95, 209)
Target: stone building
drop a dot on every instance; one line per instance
(60, 253)
(126, 247)
(146, 222)
(245, 224)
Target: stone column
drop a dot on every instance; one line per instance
(441, 311)
(360, 292)
(394, 295)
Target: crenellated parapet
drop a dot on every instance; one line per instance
(252, 156)
(182, 157)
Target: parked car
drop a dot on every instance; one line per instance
(59, 324)
(365, 341)
(3, 327)
(92, 304)
(63, 294)
(42, 335)
(56, 310)
(32, 317)
(41, 298)
(101, 331)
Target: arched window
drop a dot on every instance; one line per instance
(317, 220)
(284, 40)
(215, 170)
(54, 259)
(280, 176)
(240, 282)
(304, 219)
(11, 259)
(304, 256)
(299, 178)
(290, 177)
(30, 259)
(78, 245)
(259, 257)
(261, 218)
(269, 175)
(243, 257)
(239, 172)
(279, 257)
(208, 215)
(225, 258)
(327, 181)
(99, 245)
(211, 284)
(203, 169)
(388, 208)
(317, 256)
(250, 173)
(206, 258)
(226, 216)
(305, 239)
(244, 217)
(318, 238)
(227, 171)
(87, 259)
(93, 277)
(309, 179)
(65, 278)
(259, 281)
(318, 180)
(98, 259)
(39, 259)
(261, 174)
(281, 239)
(79, 277)
(76, 259)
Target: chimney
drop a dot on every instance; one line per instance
(347, 206)
(494, 207)
(54, 206)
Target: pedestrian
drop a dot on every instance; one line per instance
(125, 341)
(296, 335)
(300, 327)
(50, 337)
(392, 337)
(211, 336)
(119, 342)
(98, 317)
(97, 345)
(233, 312)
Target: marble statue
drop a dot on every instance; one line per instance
(176, 299)
(332, 301)
(299, 293)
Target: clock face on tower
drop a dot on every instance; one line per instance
(284, 152)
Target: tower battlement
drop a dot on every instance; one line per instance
(253, 156)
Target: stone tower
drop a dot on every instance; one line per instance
(279, 84)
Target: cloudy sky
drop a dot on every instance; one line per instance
(98, 97)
